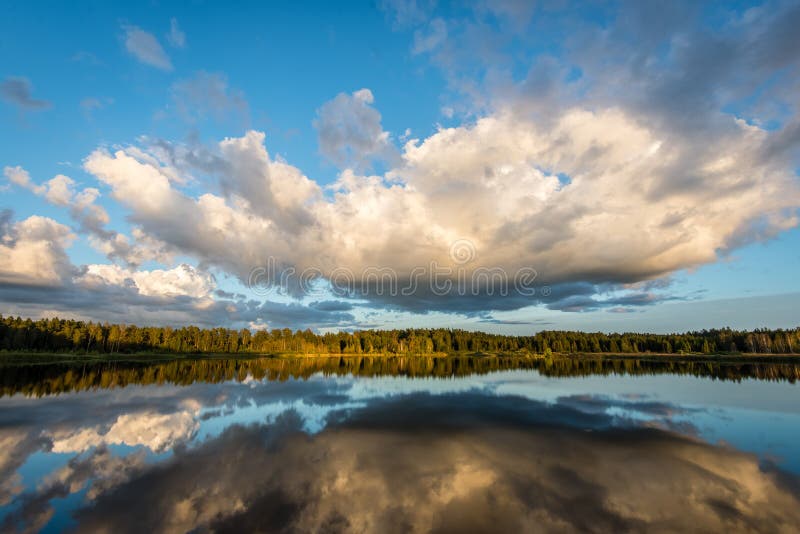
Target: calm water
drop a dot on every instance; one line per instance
(406, 445)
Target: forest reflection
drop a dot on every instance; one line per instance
(39, 379)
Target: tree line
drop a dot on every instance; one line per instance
(73, 336)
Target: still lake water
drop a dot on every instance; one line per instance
(400, 445)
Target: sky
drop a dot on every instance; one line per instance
(501, 166)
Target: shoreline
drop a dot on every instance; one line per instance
(45, 358)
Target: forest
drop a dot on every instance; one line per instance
(56, 335)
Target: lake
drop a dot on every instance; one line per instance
(405, 444)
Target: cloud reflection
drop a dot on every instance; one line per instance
(448, 463)
(155, 431)
(100, 471)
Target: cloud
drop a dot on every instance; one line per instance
(331, 305)
(59, 190)
(677, 68)
(350, 132)
(683, 72)
(176, 37)
(517, 13)
(183, 280)
(493, 320)
(17, 91)
(32, 252)
(125, 304)
(627, 302)
(146, 48)
(264, 198)
(91, 104)
(505, 171)
(38, 280)
(578, 233)
(91, 218)
(207, 95)
(407, 12)
(430, 39)
(19, 176)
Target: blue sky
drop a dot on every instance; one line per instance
(642, 162)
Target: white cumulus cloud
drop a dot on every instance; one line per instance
(183, 280)
(32, 251)
(594, 196)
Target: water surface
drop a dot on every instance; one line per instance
(400, 445)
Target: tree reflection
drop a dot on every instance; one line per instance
(54, 378)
